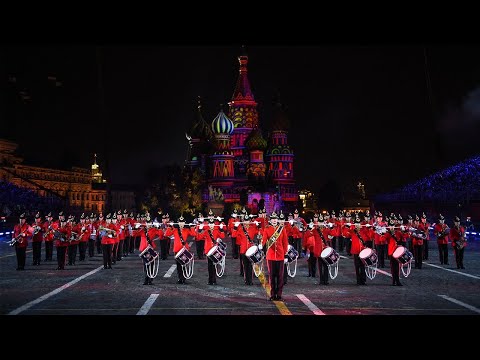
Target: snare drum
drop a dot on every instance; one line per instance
(402, 255)
(254, 254)
(368, 256)
(216, 254)
(148, 255)
(330, 256)
(292, 254)
(183, 257)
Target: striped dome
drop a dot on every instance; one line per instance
(222, 124)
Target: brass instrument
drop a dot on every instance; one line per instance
(461, 242)
(36, 229)
(46, 233)
(16, 239)
(112, 233)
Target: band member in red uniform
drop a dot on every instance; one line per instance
(37, 239)
(441, 232)
(48, 237)
(417, 240)
(392, 238)
(425, 227)
(347, 236)
(101, 222)
(321, 243)
(288, 230)
(121, 222)
(380, 240)
(459, 241)
(309, 249)
(63, 233)
(367, 232)
(210, 234)
(93, 231)
(298, 227)
(181, 234)
(230, 230)
(199, 240)
(358, 243)
(73, 244)
(108, 234)
(275, 243)
(246, 234)
(84, 235)
(408, 226)
(144, 242)
(21, 232)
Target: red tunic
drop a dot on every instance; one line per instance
(242, 239)
(38, 237)
(23, 240)
(177, 244)
(210, 240)
(280, 246)
(437, 230)
(455, 235)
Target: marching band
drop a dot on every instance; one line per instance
(254, 239)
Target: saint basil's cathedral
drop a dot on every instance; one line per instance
(239, 163)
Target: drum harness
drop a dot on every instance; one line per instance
(370, 271)
(187, 270)
(335, 267)
(260, 267)
(409, 265)
(220, 266)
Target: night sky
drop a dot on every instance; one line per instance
(356, 112)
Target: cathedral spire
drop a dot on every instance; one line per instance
(242, 89)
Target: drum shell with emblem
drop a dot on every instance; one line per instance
(254, 254)
(292, 254)
(402, 255)
(183, 257)
(148, 255)
(368, 256)
(330, 256)
(222, 245)
(216, 254)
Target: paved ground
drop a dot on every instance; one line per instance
(89, 289)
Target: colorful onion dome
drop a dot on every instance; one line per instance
(256, 141)
(222, 124)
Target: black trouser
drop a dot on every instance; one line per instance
(247, 269)
(410, 245)
(99, 245)
(395, 269)
(297, 245)
(322, 271)
(137, 243)
(163, 249)
(275, 269)
(334, 242)
(312, 264)
(120, 250)
(148, 280)
(369, 243)
(114, 253)
(285, 274)
(48, 250)
(200, 245)
(242, 270)
(418, 255)
(72, 254)
(126, 245)
(234, 248)
(459, 256)
(212, 275)
(107, 255)
(359, 270)
(131, 249)
(340, 243)
(61, 251)
(21, 256)
(381, 255)
(82, 249)
(443, 253)
(348, 245)
(180, 271)
(91, 247)
(425, 249)
(37, 252)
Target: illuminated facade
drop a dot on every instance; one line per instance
(77, 187)
(239, 164)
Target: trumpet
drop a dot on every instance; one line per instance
(36, 229)
(16, 239)
(111, 232)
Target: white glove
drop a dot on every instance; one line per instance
(348, 224)
(256, 223)
(23, 235)
(201, 226)
(137, 225)
(122, 227)
(402, 227)
(285, 260)
(219, 218)
(310, 226)
(291, 222)
(236, 224)
(260, 247)
(368, 225)
(218, 240)
(170, 223)
(221, 226)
